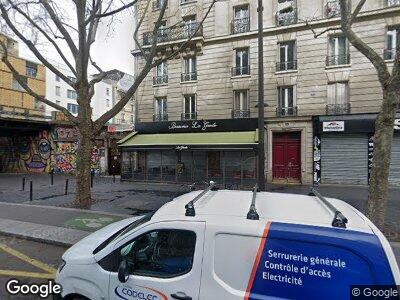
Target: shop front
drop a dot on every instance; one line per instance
(343, 149)
(224, 151)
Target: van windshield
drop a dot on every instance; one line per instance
(144, 219)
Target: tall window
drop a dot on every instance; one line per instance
(72, 108)
(31, 69)
(241, 19)
(241, 106)
(162, 32)
(190, 25)
(286, 101)
(71, 94)
(338, 98)
(338, 52)
(392, 43)
(287, 12)
(160, 109)
(332, 9)
(242, 62)
(189, 107)
(189, 69)
(286, 56)
(58, 91)
(161, 74)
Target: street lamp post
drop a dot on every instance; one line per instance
(261, 130)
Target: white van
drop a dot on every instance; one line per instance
(223, 244)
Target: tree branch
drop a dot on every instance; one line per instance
(38, 97)
(113, 12)
(356, 12)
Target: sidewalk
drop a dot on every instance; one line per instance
(54, 225)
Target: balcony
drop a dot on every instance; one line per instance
(240, 71)
(240, 25)
(160, 117)
(286, 111)
(286, 18)
(391, 3)
(337, 60)
(178, 32)
(332, 9)
(389, 53)
(158, 80)
(338, 109)
(189, 116)
(286, 66)
(158, 4)
(188, 77)
(240, 113)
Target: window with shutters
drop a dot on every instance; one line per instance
(338, 98)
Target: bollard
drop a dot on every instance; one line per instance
(91, 179)
(52, 177)
(66, 187)
(31, 191)
(23, 183)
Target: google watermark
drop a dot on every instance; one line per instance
(360, 292)
(43, 290)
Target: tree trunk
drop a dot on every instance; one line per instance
(83, 169)
(383, 137)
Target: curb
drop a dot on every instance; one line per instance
(36, 239)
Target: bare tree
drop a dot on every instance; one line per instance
(74, 38)
(384, 124)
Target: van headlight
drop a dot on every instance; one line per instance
(61, 265)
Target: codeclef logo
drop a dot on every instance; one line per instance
(139, 292)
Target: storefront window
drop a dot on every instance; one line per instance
(199, 166)
(139, 171)
(126, 166)
(215, 166)
(154, 165)
(168, 166)
(184, 167)
(233, 169)
(249, 168)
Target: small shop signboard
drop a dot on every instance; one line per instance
(333, 126)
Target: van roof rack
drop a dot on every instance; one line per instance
(253, 214)
(190, 211)
(339, 220)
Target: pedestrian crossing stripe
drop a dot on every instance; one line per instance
(49, 271)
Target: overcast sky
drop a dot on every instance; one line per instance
(111, 49)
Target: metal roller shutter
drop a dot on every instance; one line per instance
(394, 171)
(344, 159)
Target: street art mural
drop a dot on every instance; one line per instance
(30, 154)
(46, 151)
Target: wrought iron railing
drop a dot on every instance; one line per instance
(160, 117)
(240, 70)
(338, 109)
(286, 65)
(163, 79)
(389, 53)
(240, 113)
(240, 25)
(189, 116)
(332, 9)
(286, 18)
(178, 32)
(393, 2)
(286, 111)
(158, 4)
(189, 76)
(335, 60)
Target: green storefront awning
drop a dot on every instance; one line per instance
(191, 140)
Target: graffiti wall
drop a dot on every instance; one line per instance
(31, 154)
(46, 151)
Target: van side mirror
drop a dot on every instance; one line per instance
(123, 271)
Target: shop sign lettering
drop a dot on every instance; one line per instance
(333, 126)
(198, 125)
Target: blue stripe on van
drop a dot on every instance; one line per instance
(312, 262)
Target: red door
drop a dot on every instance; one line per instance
(286, 162)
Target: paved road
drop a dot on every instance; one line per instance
(27, 261)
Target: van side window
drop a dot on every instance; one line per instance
(161, 253)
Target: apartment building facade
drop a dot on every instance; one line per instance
(321, 94)
(15, 102)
